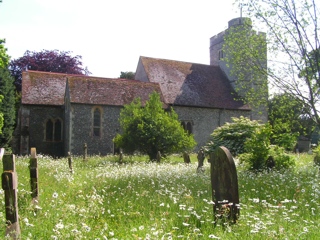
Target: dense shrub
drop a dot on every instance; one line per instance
(257, 148)
(250, 142)
(285, 140)
(316, 159)
(233, 135)
(282, 159)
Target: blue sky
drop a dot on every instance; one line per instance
(110, 35)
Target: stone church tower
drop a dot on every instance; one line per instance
(217, 52)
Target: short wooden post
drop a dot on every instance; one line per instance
(70, 162)
(224, 181)
(10, 185)
(33, 167)
(85, 149)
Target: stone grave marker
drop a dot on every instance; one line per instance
(201, 157)
(121, 156)
(186, 158)
(10, 185)
(158, 157)
(224, 181)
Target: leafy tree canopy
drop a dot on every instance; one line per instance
(245, 54)
(4, 57)
(127, 75)
(48, 61)
(292, 35)
(289, 119)
(151, 129)
(7, 107)
(1, 116)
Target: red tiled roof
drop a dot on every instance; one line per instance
(90, 90)
(46, 88)
(192, 84)
(43, 88)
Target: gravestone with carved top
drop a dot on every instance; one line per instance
(224, 181)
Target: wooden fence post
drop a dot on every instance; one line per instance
(33, 167)
(224, 181)
(85, 149)
(10, 185)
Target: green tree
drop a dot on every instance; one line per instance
(6, 119)
(151, 129)
(7, 106)
(292, 37)
(127, 75)
(1, 116)
(288, 119)
(245, 54)
(4, 57)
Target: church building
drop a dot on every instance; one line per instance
(62, 112)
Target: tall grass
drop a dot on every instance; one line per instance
(139, 200)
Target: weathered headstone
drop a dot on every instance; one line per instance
(186, 158)
(85, 151)
(158, 156)
(201, 157)
(121, 156)
(224, 181)
(10, 185)
(33, 167)
(70, 162)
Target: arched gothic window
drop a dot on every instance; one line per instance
(187, 126)
(53, 131)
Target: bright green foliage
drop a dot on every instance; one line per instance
(293, 42)
(4, 57)
(1, 116)
(233, 135)
(316, 159)
(288, 118)
(282, 159)
(257, 148)
(245, 54)
(150, 129)
(7, 106)
(7, 109)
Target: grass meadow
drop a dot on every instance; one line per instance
(140, 200)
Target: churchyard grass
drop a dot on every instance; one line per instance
(139, 200)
